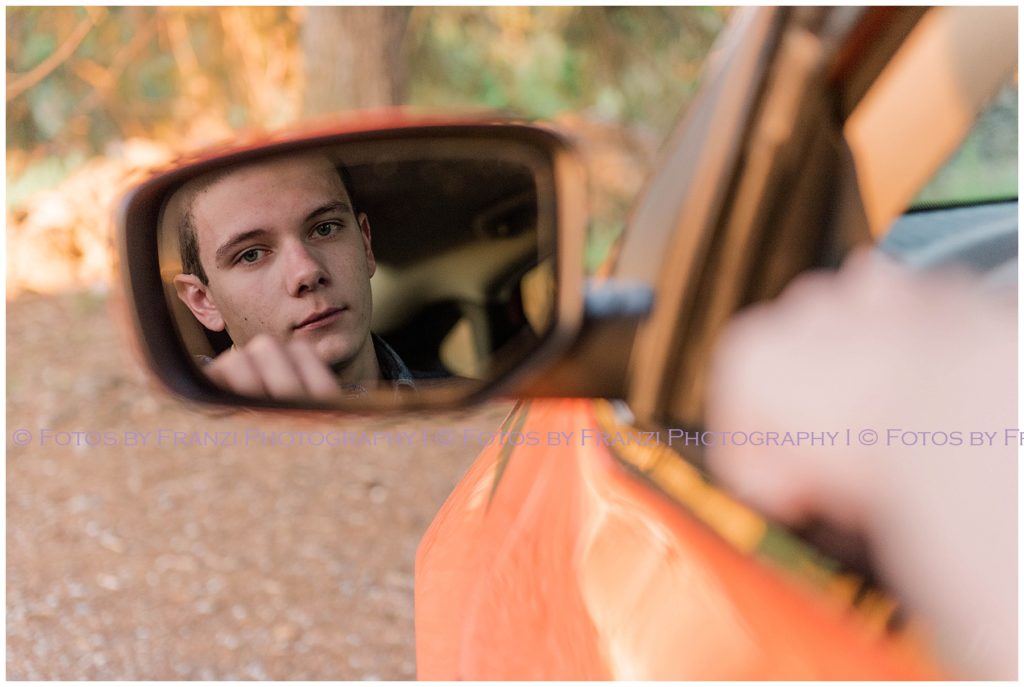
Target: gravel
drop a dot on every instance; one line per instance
(163, 561)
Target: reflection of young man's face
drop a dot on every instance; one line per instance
(285, 255)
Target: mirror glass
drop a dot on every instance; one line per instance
(394, 268)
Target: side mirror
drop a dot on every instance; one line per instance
(425, 265)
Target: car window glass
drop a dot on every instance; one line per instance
(984, 168)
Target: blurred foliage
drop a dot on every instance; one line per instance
(132, 86)
(144, 71)
(80, 79)
(634, 65)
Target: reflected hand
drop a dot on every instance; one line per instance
(266, 367)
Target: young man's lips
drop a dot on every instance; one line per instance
(320, 319)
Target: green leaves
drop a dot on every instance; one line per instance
(623, 63)
(187, 77)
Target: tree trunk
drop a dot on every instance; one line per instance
(353, 58)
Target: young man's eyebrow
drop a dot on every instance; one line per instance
(329, 207)
(226, 248)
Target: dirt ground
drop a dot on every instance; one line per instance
(171, 561)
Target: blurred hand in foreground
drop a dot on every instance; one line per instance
(877, 347)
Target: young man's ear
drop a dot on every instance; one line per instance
(364, 228)
(196, 295)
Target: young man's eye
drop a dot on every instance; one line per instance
(250, 256)
(325, 229)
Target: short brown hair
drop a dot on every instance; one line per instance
(188, 243)
(189, 246)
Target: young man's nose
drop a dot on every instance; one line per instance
(304, 272)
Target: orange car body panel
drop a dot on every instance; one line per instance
(553, 561)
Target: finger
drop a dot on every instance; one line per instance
(233, 371)
(279, 376)
(766, 484)
(316, 376)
